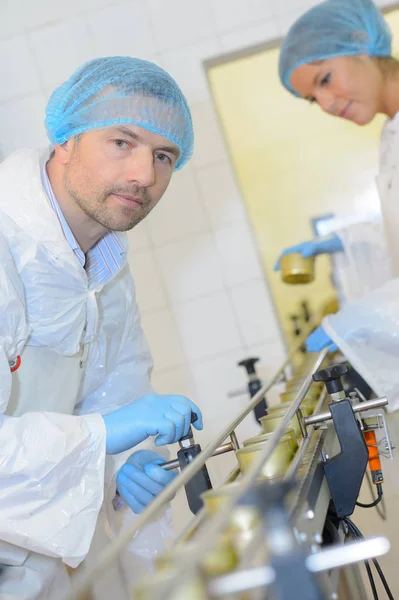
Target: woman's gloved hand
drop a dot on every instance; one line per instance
(328, 245)
(167, 417)
(319, 340)
(142, 478)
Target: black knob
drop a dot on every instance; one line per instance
(295, 321)
(249, 365)
(306, 311)
(189, 435)
(332, 377)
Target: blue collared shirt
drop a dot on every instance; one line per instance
(104, 259)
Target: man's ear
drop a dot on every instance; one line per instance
(63, 152)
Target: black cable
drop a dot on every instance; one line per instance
(383, 580)
(360, 536)
(377, 566)
(356, 536)
(371, 578)
(376, 501)
(380, 508)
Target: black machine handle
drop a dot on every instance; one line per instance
(201, 481)
(254, 385)
(345, 471)
(295, 322)
(306, 312)
(332, 377)
(249, 365)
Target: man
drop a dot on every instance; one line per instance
(74, 364)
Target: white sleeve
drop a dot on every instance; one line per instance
(367, 332)
(51, 465)
(51, 482)
(365, 264)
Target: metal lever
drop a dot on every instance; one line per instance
(201, 482)
(305, 311)
(357, 408)
(295, 322)
(223, 449)
(297, 330)
(345, 471)
(254, 385)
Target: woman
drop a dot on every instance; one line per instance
(338, 54)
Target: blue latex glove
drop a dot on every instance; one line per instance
(168, 417)
(319, 340)
(141, 479)
(314, 247)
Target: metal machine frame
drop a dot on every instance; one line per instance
(302, 515)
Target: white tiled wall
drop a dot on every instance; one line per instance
(204, 301)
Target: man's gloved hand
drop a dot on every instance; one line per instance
(168, 417)
(319, 340)
(142, 478)
(314, 247)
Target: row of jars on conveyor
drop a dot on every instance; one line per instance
(244, 522)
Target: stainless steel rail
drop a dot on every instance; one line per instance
(357, 408)
(83, 581)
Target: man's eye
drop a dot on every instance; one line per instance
(163, 157)
(121, 144)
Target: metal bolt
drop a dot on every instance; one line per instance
(310, 515)
(186, 444)
(317, 538)
(303, 537)
(281, 541)
(334, 596)
(324, 457)
(296, 533)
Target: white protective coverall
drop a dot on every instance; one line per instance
(366, 329)
(83, 353)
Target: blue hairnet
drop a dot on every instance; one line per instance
(334, 28)
(121, 89)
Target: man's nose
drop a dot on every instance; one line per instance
(141, 167)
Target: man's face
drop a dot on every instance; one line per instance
(117, 175)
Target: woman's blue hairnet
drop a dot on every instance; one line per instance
(121, 89)
(334, 28)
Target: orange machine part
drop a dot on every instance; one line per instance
(374, 458)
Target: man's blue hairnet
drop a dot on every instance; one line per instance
(120, 89)
(334, 28)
